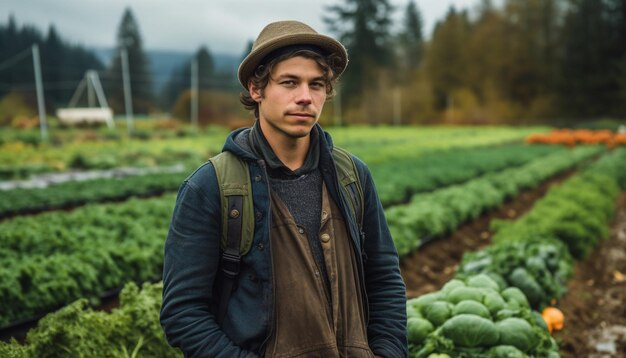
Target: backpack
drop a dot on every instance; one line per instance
(238, 219)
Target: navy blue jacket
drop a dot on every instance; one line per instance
(192, 255)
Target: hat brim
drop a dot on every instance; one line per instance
(326, 43)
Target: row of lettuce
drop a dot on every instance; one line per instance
(487, 310)
(51, 259)
(490, 308)
(431, 215)
(20, 159)
(411, 173)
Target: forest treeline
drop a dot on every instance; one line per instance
(517, 61)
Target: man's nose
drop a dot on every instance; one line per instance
(303, 96)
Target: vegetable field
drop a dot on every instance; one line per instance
(492, 228)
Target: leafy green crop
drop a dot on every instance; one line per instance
(76, 193)
(52, 259)
(437, 213)
(132, 330)
(576, 212)
(485, 320)
(539, 267)
(418, 172)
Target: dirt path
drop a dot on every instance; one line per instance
(595, 304)
(433, 264)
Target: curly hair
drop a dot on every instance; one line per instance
(262, 75)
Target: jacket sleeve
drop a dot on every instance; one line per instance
(190, 266)
(386, 292)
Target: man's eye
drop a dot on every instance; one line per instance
(288, 83)
(317, 85)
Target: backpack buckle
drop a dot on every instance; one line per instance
(230, 264)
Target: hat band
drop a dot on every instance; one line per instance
(290, 49)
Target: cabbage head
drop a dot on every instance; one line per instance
(505, 352)
(471, 307)
(468, 330)
(518, 333)
(418, 329)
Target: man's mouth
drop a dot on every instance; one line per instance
(301, 114)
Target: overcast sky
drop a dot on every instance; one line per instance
(224, 26)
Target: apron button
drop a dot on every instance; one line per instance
(325, 238)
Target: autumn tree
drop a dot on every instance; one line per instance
(447, 57)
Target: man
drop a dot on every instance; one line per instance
(316, 281)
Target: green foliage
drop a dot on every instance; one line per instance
(521, 279)
(438, 312)
(539, 267)
(576, 212)
(418, 173)
(418, 329)
(471, 307)
(614, 166)
(516, 332)
(506, 352)
(434, 214)
(21, 160)
(484, 322)
(77, 193)
(52, 259)
(132, 330)
(469, 330)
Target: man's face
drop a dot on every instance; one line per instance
(293, 99)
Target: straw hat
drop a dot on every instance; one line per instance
(286, 33)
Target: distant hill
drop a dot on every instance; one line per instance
(163, 62)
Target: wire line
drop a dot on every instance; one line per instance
(11, 61)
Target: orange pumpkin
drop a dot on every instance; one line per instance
(554, 318)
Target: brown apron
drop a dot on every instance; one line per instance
(309, 319)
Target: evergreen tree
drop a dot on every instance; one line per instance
(412, 38)
(55, 66)
(63, 66)
(590, 83)
(13, 41)
(617, 52)
(129, 38)
(363, 27)
(530, 57)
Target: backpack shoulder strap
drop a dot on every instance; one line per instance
(350, 182)
(235, 188)
(237, 224)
